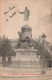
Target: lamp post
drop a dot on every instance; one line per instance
(42, 62)
(43, 37)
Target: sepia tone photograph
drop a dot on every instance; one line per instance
(26, 39)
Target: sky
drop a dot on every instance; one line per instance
(39, 19)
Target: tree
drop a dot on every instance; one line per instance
(43, 53)
(6, 50)
(51, 47)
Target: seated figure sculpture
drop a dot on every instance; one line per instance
(25, 37)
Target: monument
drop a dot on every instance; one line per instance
(25, 53)
(25, 36)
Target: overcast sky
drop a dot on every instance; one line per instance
(39, 19)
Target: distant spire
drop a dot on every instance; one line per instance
(39, 38)
(4, 37)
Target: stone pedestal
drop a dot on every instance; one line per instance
(26, 58)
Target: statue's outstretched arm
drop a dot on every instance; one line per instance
(21, 12)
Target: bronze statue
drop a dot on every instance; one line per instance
(26, 14)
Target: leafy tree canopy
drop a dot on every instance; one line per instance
(6, 49)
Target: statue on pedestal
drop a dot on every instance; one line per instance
(25, 36)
